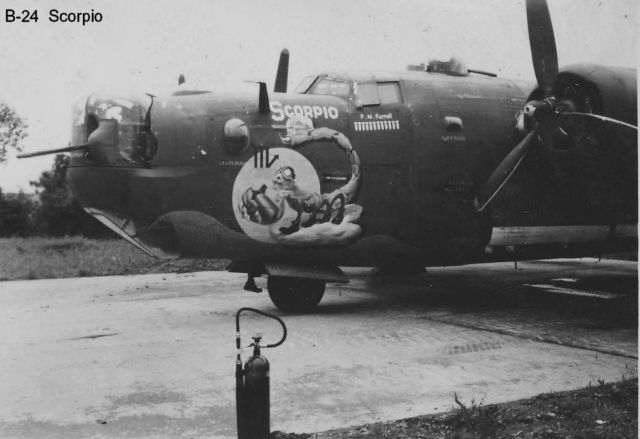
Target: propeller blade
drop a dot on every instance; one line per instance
(543, 44)
(53, 151)
(504, 171)
(282, 76)
(604, 119)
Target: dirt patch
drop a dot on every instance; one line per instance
(597, 411)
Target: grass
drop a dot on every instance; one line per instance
(478, 420)
(47, 258)
(601, 410)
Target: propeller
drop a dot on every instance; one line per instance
(547, 114)
(545, 66)
(543, 44)
(504, 171)
(282, 76)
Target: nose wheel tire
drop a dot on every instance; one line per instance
(291, 294)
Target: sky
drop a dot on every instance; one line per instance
(144, 45)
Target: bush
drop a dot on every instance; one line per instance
(17, 213)
(59, 213)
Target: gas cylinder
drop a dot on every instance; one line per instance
(256, 394)
(252, 385)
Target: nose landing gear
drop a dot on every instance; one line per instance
(294, 288)
(294, 294)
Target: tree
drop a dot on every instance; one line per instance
(59, 212)
(12, 130)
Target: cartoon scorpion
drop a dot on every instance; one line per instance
(304, 201)
(261, 209)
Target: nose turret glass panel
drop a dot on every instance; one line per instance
(129, 141)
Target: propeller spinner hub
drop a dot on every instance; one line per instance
(547, 105)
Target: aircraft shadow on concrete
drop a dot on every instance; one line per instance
(511, 294)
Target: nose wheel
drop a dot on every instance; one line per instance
(292, 294)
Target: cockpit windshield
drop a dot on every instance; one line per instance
(315, 85)
(304, 85)
(331, 87)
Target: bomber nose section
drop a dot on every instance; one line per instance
(118, 143)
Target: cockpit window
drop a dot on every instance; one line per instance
(331, 87)
(389, 93)
(377, 93)
(367, 94)
(304, 85)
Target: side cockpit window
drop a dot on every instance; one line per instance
(389, 93)
(377, 93)
(367, 94)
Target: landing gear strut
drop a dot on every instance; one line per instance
(250, 284)
(292, 294)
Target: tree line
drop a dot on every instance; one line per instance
(54, 212)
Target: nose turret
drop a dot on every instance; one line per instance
(116, 130)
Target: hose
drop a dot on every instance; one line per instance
(266, 314)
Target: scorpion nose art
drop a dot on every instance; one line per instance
(294, 211)
(261, 216)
